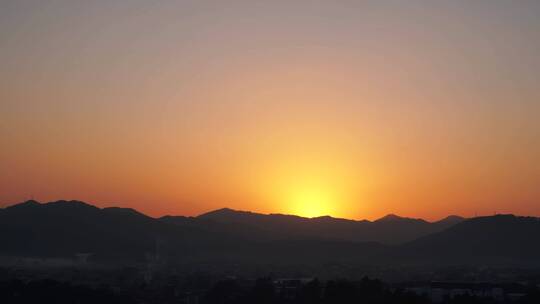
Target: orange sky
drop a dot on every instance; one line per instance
(312, 108)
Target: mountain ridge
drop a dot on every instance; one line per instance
(390, 216)
(391, 229)
(64, 228)
(227, 210)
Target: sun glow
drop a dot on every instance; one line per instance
(312, 202)
(310, 180)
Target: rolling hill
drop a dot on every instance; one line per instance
(390, 229)
(120, 235)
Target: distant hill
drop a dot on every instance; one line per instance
(501, 238)
(449, 221)
(120, 235)
(64, 228)
(390, 229)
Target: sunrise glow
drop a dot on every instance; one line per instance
(354, 110)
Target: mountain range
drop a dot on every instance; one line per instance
(65, 228)
(390, 229)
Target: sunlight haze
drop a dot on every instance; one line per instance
(353, 109)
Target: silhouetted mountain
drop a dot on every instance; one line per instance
(499, 238)
(26, 204)
(64, 228)
(390, 229)
(450, 221)
(395, 218)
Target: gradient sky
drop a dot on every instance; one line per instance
(350, 108)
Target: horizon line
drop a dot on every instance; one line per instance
(264, 214)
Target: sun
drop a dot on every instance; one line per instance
(317, 183)
(311, 202)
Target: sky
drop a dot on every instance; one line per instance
(354, 109)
